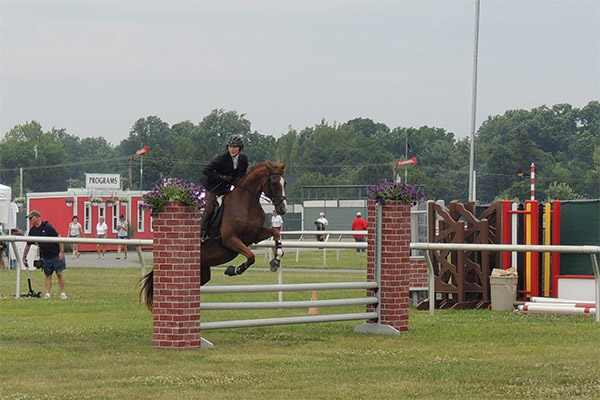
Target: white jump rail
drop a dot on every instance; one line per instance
(593, 251)
(265, 305)
(13, 239)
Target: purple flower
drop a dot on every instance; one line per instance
(394, 192)
(174, 189)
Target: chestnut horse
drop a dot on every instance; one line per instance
(242, 225)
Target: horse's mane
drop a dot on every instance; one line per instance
(255, 169)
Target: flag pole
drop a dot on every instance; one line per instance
(141, 171)
(474, 107)
(406, 158)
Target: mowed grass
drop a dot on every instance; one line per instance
(98, 345)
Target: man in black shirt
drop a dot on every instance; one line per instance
(52, 254)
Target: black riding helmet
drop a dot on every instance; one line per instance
(236, 140)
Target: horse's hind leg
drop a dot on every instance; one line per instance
(204, 275)
(238, 246)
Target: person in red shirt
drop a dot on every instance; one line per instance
(359, 224)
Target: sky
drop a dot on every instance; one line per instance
(95, 67)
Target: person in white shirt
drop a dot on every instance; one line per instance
(75, 230)
(276, 221)
(122, 233)
(321, 224)
(101, 229)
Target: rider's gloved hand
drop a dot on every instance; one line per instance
(227, 178)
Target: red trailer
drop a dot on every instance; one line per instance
(60, 207)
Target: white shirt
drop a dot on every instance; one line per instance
(101, 228)
(323, 220)
(276, 221)
(74, 228)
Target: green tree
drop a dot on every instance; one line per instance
(561, 191)
(40, 154)
(216, 127)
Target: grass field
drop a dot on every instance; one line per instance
(98, 345)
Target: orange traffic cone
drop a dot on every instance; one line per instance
(313, 310)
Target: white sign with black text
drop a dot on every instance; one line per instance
(102, 181)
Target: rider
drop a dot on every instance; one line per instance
(226, 169)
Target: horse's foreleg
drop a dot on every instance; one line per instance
(265, 233)
(276, 261)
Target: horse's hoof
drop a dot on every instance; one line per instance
(230, 271)
(275, 263)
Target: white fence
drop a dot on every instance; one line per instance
(12, 239)
(593, 251)
(310, 237)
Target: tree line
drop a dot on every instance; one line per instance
(562, 141)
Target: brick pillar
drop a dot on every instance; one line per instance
(176, 309)
(395, 262)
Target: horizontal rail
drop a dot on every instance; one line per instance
(325, 232)
(275, 305)
(507, 247)
(13, 239)
(149, 242)
(287, 320)
(289, 287)
(60, 239)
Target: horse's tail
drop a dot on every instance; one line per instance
(147, 291)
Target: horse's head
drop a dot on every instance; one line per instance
(275, 186)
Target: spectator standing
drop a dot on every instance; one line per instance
(359, 224)
(276, 221)
(75, 230)
(52, 254)
(3, 250)
(122, 233)
(321, 224)
(101, 229)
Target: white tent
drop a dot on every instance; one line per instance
(5, 195)
(8, 210)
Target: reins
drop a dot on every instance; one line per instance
(282, 198)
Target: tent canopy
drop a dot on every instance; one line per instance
(5, 195)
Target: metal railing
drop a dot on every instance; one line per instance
(12, 239)
(327, 235)
(593, 251)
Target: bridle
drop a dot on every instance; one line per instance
(280, 198)
(276, 200)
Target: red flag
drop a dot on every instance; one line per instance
(407, 162)
(142, 151)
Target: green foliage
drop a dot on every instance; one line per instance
(561, 191)
(561, 140)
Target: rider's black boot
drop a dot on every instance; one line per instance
(204, 229)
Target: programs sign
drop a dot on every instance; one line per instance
(103, 181)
